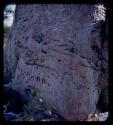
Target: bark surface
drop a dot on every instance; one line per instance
(58, 51)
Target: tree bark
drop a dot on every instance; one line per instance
(56, 49)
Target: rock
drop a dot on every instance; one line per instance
(103, 116)
(48, 113)
(98, 116)
(9, 116)
(51, 119)
(40, 116)
(51, 49)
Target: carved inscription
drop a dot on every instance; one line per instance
(41, 80)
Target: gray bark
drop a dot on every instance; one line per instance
(56, 50)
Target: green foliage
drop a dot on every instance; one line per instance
(36, 96)
(6, 31)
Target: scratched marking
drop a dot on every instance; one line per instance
(42, 81)
(39, 65)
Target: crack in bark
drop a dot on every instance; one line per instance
(43, 66)
(57, 51)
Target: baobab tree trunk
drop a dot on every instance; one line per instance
(57, 51)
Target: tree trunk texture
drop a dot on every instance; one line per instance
(59, 51)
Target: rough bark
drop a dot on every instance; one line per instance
(58, 51)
